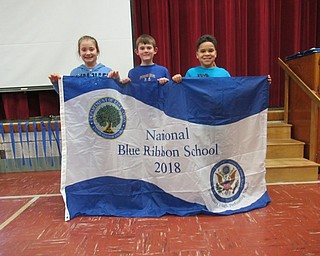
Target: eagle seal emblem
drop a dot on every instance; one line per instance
(227, 180)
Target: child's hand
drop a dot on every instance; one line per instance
(125, 80)
(269, 79)
(163, 80)
(54, 77)
(113, 74)
(177, 78)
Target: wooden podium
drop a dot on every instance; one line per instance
(303, 113)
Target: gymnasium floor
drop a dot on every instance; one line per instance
(32, 223)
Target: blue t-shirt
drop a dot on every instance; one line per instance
(148, 73)
(207, 72)
(82, 70)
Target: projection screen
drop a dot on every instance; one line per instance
(39, 37)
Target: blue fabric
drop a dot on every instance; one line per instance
(50, 141)
(44, 141)
(35, 138)
(2, 131)
(105, 186)
(231, 104)
(13, 143)
(28, 142)
(21, 143)
(134, 198)
(302, 54)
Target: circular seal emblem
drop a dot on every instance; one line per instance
(107, 118)
(227, 180)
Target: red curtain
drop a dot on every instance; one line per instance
(22, 106)
(251, 34)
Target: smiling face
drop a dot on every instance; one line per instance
(88, 52)
(207, 54)
(146, 53)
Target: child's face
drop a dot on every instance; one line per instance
(88, 53)
(207, 54)
(146, 53)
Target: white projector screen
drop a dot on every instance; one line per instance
(39, 37)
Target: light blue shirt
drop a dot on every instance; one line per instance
(207, 72)
(99, 70)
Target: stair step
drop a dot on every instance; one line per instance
(291, 170)
(276, 114)
(285, 156)
(278, 130)
(284, 148)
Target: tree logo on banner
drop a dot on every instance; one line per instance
(227, 180)
(107, 118)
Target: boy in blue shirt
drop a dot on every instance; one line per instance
(206, 54)
(147, 71)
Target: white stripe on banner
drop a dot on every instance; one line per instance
(143, 150)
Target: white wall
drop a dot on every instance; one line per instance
(39, 37)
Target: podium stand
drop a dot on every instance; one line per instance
(304, 114)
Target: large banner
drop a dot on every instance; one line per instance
(145, 150)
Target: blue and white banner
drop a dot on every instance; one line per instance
(145, 150)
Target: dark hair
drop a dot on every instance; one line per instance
(207, 38)
(88, 38)
(146, 39)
